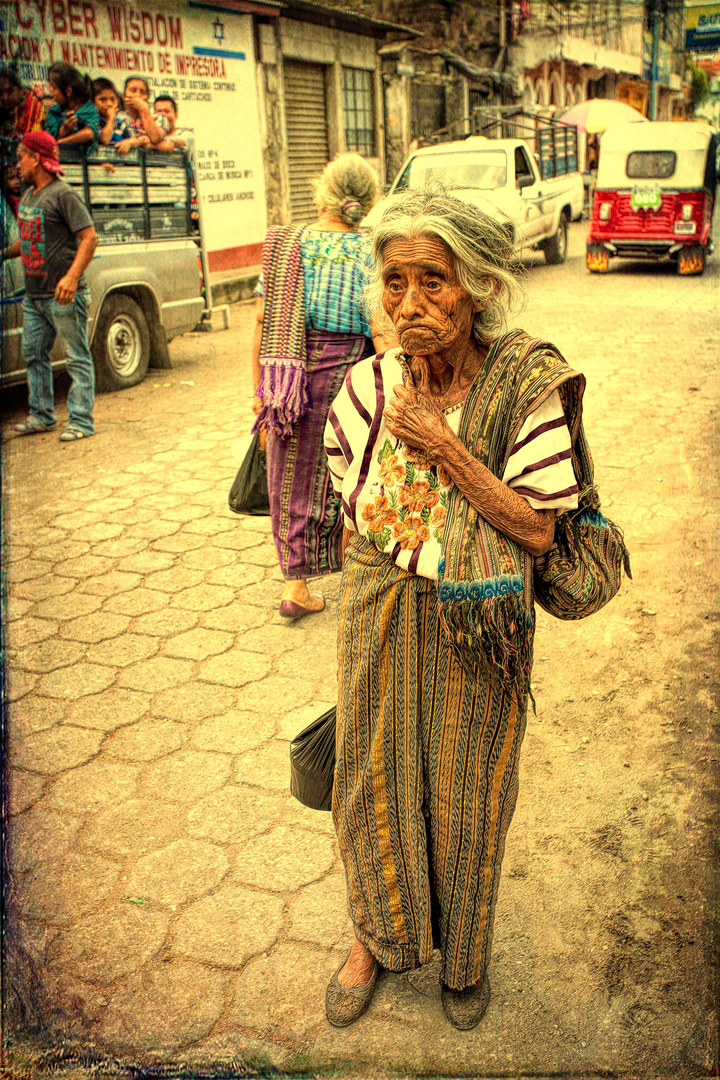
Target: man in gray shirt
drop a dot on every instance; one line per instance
(56, 244)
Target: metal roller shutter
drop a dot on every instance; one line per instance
(306, 119)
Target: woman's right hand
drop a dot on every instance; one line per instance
(415, 419)
(256, 405)
(68, 125)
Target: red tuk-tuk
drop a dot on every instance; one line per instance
(655, 194)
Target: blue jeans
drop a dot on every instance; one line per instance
(43, 321)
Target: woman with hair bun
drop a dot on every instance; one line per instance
(73, 120)
(310, 329)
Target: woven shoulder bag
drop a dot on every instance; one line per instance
(582, 570)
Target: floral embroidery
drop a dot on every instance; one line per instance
(418, 459)
(418, 495)
(412, 504)
(439, 517)
(379, 515)
(392, 471)
(410, 532)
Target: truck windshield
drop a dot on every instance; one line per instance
(482, 171)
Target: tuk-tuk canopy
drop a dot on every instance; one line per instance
(662, 153)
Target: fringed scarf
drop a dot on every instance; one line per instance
(485, 579)
(283, 353)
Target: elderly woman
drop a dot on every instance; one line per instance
(311, 327)
(451, 455)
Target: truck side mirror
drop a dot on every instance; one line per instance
(525, 181)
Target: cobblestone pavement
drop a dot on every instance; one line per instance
(171, 902)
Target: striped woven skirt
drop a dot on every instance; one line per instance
(426, 777)
(304, 510)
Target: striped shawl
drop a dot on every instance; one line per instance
(283, 349)
(485, 579)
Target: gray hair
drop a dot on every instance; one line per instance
(348, 188)
(482, 248)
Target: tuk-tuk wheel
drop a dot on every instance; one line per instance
(597, 259)
(691, 260)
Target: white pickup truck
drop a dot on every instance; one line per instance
(501, 177)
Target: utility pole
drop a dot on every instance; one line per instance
(654, 62)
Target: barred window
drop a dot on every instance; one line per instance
(358, 110)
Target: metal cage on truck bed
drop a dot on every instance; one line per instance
(146, 195)
(556, 143)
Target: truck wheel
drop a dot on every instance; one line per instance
(691, 260)
(121, 344)
(556, 247)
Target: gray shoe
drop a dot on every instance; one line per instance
(466, 1008)
(33, 426)
(346, 1004)
(72, 434)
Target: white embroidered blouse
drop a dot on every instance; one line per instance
(393, 496)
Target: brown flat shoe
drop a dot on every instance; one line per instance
(346, 1004)
(289, 609)
(466, 1008)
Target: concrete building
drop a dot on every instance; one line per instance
(546, 56)
(320, 92)
(599, 49)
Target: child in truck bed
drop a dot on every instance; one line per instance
(114, 121)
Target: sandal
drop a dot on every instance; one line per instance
(33, 426)
(72, 434)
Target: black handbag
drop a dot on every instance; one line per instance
(249, 493)
(312, 762)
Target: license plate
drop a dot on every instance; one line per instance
(646, 199)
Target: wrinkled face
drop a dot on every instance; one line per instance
(429, 308)
(57, 95)
(166, 109)
(26, 164)
(136, 88)
(105, 101)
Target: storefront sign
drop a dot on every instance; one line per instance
(203, 59)
(702, 28)
(663, 70)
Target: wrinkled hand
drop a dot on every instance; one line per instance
(68, 126)
(413, 417)
(124, 146)
(108, 166)
(144, 141)
(65, 290)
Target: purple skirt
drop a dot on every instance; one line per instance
(305, 512)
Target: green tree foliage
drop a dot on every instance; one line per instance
(699, 86)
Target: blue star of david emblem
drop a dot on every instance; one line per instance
(218, 30)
